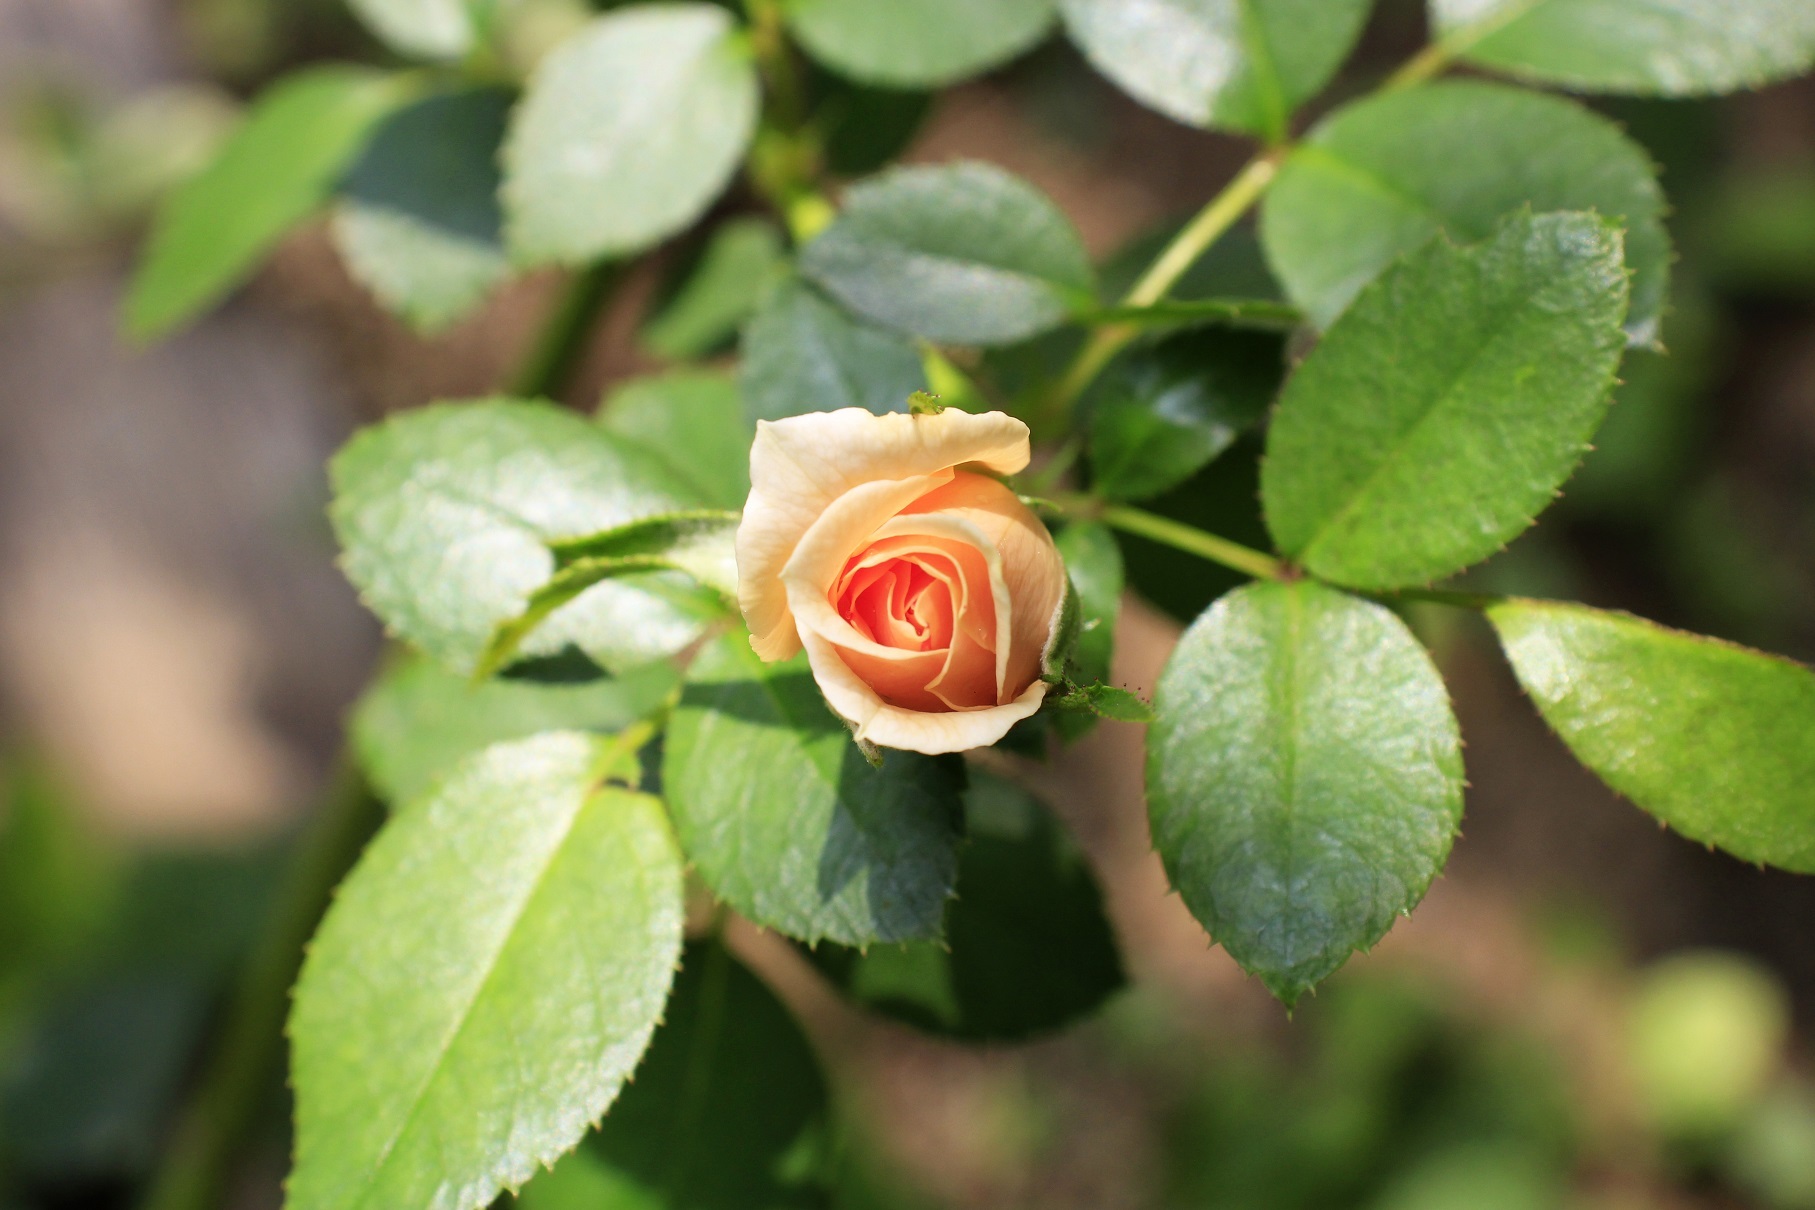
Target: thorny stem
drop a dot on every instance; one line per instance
(234, 1083)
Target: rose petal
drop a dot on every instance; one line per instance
(986, 599)
(801, 465)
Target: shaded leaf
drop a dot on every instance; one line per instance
(418, 220)
(721, 293)
(805, 354)
(916, 43)
(418, 720)
(1683, 48)
(273, 173)
(1716, 740)
(1304, 777)
(444, 515)
(628, 130)
(485, 981)
(785, 819)
(695, 421)
(1240, 65)
(1385, 175)
(1094, 564)
(1443, 411)
(959, 253)
(1104, 701)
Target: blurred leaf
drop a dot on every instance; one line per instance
(1717, 741)
(1385, 175)
(1304, 778)
(445, 513)
(1234, 267)
(426, 29)
(1190, 313)
(1027, 950)
(695, 421)
(1705, 1039)
(866, 128)
(1094, 564)
(1441, 414)
(1164, 410)
(805, 354)
(58, 881)
(1223, 498)
(418, 720)
(726, 1098)
(959, 253)
(627, 133)
(1760, 234)
(1684, 48)
(1478, 1176)
(1240, 65)
(418, 221)
(485, 981)
(722, 292)
(916, 43)
(273, 173)
(1773, 1153)
(785, 819)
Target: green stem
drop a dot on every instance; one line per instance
(549, 368)
(1220, 214)
(1192, 540)
(1431, 61)
(235, 1082)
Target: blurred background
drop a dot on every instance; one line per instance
(1586, 1012)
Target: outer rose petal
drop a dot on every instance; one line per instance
(799, 466)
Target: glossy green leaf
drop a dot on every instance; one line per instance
(1682, 48)
(1443, 411)
(426, 29)
(418, 220)
(722, 1107)
(1233, 64)
(1164, 410)
(697, 545)
(721, 293)
(487, 978)
(788, 823)
(418, 720)
(1094, 563)
(694, 420)
(1716, 740)
(1028, 948)
(274, 172)
(444, 515)
(1304, 779)
(957, 253)
(1385, 175)
(629, 130)
(916, 43)
(803, 353)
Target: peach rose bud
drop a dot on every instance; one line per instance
(925, 593)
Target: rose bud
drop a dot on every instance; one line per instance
(925, 593)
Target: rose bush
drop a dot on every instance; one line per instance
(925, 593)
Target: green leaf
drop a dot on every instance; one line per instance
(419, 720)
(1385, 175)
(960, 253)
(1104, 701)
(418, 220)
(1445, 409)
(866, 128)
(785, 819)
(694, 421)
(1163, 411)
(425, 29)
(1683, 48)
(698, 545)
(1028, 948)
(1240, 65)
(1304, 779)
(1094, 563)
(273, 173)
(444, 515)
(628, 131)
(722, 292)
(1716, 740)
(916, 43)
(1264, 314)
(805, 354)
(487, 978)
(725, 1101)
